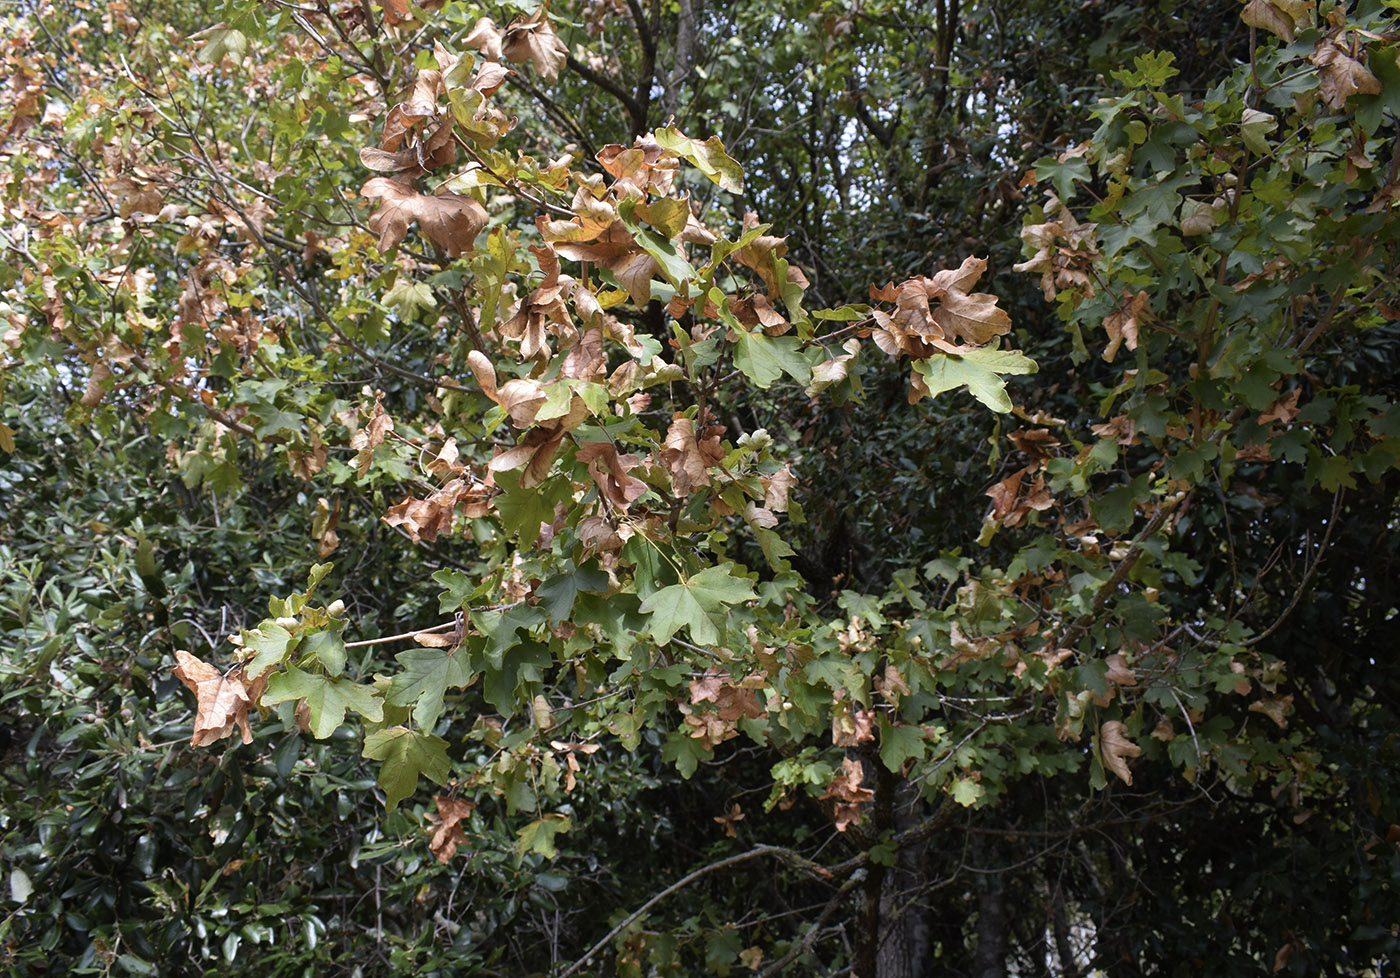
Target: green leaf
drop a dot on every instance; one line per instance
(557, 595)
(405, 755)
(763, 358)
(700, 604)
(329, 649)
(899, 744)
(224, 41)
(271, 643)
(980, 370)
(709, 157)
(461, 589)
(427, 675)
(539, 835)
(676, 269)
(327, 699)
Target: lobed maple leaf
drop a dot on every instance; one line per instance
(445, 826)
(451, 221)
(222, 701)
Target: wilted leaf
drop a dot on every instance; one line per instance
(532, 39)
(445, 826)
(1341, 75)
(1115, 748)
(451, 221)
(222, 701)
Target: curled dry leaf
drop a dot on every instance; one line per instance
(609, 472)
(451, 221)
(222, 701)
(445, 826)
(729, 819)
(1115, 748)
(848, 794)
(1122, 324)
(1119, 671)
(1341, 75)
(532, 39)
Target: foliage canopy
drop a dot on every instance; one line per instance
(902, 488)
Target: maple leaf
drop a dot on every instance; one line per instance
(980, 369)
(1278, 17)
(1341, 75)
(532, 39)
(850, 728)
(222, 701)
(486, 38)
(427, 675)
(682, 457)
(729, 819)
(609, 471)
(1115, 748)
(535, 453)
(405, 755)
(700, 604)
(451, 221)
(1119, 671)
(848, 794)
(975, 317)
(326, 698)
(445, 826)
(1122, 324)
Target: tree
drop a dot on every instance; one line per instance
(496, 367)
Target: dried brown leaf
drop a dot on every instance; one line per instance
(1115, 748)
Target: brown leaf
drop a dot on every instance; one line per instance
(846, 790)
(962, 278)
(1341, 75)
(1122, 324)
(1275, 708)
(776, 488)
(1285, 409)
(682, 457)
(1119, 672)
(452, 221)
(535, 452)
(1268, 16)
(486, 38)
(522, 398)
(93, 393)
(533, 39)
(1115, 748)
(975, 318)
(445, 826)
(222, 701)
(851, 727)
(727, 821)
(586, 361)
(609, 471)
(485, 374)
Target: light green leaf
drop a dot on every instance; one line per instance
(326, 698)
(329, 649)
(980, 370)
(271, 643)
(539, 835)
(224, 41)
(709, 157)
(427, 675)
(700, 604)
(405, 755)
(763, 358)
